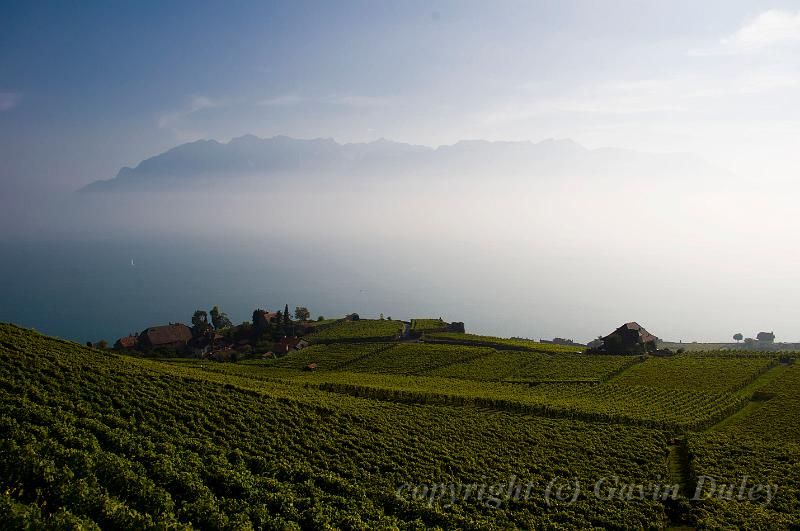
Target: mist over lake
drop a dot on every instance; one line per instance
(520, 239)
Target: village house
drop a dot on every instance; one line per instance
(127, 343)
(263, 318)
(172, 336)
(630, 338)
(288, 344)
(202, 345)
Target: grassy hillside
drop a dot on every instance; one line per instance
(91, 439)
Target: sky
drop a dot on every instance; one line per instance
(88, 88)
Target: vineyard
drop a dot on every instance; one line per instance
(361, 330)
(499, 342)
(426, 325)
(92, 439)
(728, 459)
(497, 365)
(572, 367)
(695, 372)
(775, 410)
(669, 410)
(87, 440)
(415, 358)
(328, 357)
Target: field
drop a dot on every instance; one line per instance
(388, 435)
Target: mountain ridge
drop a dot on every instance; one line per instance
(250, 154)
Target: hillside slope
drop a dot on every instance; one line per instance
(94, 439)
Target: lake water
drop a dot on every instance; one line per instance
(105, 289)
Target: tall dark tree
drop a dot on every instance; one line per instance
(219, 318)
(200, 320)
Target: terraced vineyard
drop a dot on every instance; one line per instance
(533, 367)
(93, 439)
(774, 414)
(572, 367)
(497, 365)
(499, 342)
(380, 434)
(330, 356)
(361, 330)
(737, 461)
(670, 410)
(416, 358)
(426, 325)
(697, 372)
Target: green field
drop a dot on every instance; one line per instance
(91, 439)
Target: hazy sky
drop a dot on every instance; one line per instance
(86, 88)
(89, 87)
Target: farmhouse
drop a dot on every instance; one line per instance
(173, 335)
(630, 338)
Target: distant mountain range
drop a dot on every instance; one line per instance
(251, 156)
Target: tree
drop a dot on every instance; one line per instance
(381, 317)
(200, 320)
(219, 318)
(301, 313)
(738, 337)
(766, 337)
(103, 344)
(286, 316)
(320, 318)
